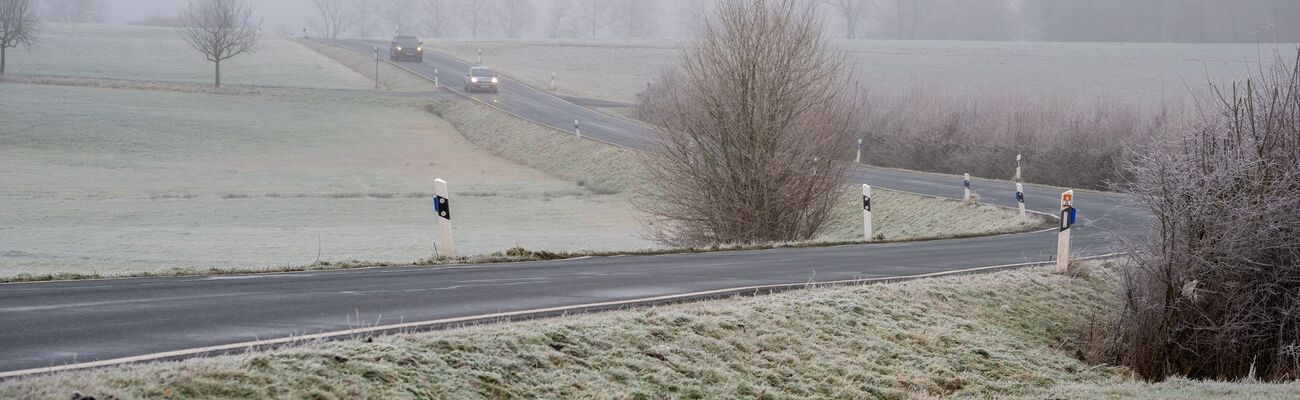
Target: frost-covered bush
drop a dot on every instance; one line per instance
(1215, 290)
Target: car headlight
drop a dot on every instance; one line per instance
(473, 80)
(494, 79)
(399, 48)
(419, 49)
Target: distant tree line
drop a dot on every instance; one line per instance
(80, 11)
(490, 18)
(1069, 20)
(1164, 20)
(1249, 21)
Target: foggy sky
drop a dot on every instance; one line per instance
(291, 15)
(1243, 21)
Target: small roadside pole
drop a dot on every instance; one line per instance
(1020, 189)
(480, 58)
(376, 67)
(442, 206)
(1063, 239)
(1017, 177)
(1020, 198)
(552, 81)
(435, 78)
(858, 159)
(577, 129)
(866, 213)
(965, 187)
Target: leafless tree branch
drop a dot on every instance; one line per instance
(1215, 290)
(220, 29)
(749, 130)
(437, 17)
(335, 15)
(514, 15)
(18, 26)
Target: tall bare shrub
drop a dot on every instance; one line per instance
(1215, 292)
(753, 131)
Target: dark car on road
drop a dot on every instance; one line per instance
(406, 48)
(481, 79)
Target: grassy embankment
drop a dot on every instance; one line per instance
(1006, 334)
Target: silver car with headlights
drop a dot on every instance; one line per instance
(481, 79)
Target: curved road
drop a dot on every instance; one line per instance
(57, 325)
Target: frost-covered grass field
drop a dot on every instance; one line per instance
(121, 181)
(115, 176)
(1000, 335)
(1143, 74)
(159, 54)
(117, 181)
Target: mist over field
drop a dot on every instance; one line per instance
(1188, 21)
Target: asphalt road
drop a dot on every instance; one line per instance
(64, 323)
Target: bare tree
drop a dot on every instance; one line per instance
(220, 29)
(514, 15)
(80, 11)
(334, 17)
(636, 18)
(557, 17)
(595, 14)
(750, 132)
(17, 26)
(477, 15)
(851, 13)
(364, 10)
(437, 17)
(399, 14)
(907, 15)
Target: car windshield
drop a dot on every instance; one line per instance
(481, 72)
(407, 40)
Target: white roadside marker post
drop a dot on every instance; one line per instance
(480, 58)
(858, 159)
(552, 81)
(1017, 177)
(1020, 189)
(866, 213)
(376, 67)
(1063, 239)
(965, 187)
(442, 206)
(577, 129)
(1020, 198)
(435, 78)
